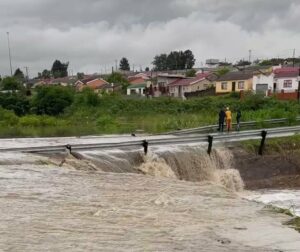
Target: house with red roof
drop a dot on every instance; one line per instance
(92, 82)
(179, 87)
(286, 79)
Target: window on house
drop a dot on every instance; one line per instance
(241, 85)
(287, 83)
(224, 85)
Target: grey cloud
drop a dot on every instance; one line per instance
(91, 34)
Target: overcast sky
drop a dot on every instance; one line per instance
(92, 34)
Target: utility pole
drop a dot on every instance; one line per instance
(294, 53)
(27, 75)
(299, 85)
(9, 54)
(250, 55)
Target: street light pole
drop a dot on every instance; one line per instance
(298, 86)
(9, 54)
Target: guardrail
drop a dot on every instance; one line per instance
(210, 128)
(176, 140)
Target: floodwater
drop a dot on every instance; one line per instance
(50, 207)
(288, 199)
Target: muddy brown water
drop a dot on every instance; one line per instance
(156, 204)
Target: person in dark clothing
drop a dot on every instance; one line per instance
(238, 119)
(222, 116)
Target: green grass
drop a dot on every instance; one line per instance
(90, 114)
(274, 145)
(294, 222)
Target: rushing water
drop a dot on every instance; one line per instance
(173, 199)
(288, 199)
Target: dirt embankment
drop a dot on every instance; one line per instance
(278, 169)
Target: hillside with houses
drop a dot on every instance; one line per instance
(281, 81)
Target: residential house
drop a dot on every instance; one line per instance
(138, 85)
(180, 87)
(234, 82)
(93, 83)
(263, 82)
(64, 81)
(286, 79)
(111, 87)
(162, 81)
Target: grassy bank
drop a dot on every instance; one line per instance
(281, 145)
(87, 113)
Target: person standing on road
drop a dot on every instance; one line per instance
(228, 119)
(222, 116)
(238, 119)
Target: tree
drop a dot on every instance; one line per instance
(243, 63)
(19, 75)
(189, 59)
(11, 83)
(80, 76)
(118, 78)
(175, 60)
(16, 102)
(124, 64)
(59, 69)
(160, 62)
(191, 73)
(222, 71)
(52, 100)
(147, 69)
(46, 74)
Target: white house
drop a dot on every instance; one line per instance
(263, 82)
(286, 79)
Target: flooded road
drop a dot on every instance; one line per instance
(49, 208)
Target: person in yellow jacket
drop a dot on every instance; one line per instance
(228, 118)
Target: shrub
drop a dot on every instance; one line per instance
(52, 100)
(8, 118)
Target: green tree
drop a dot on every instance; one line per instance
(243, 63)
(59, 69)
(19, 75)
(222, 71)
(52, 100)
(16, 102)
(175, 60)
(124, 64)
(87, 98)
(160, 62)
(80, 76)
(46, 74)
(191, 73)
(11, 83)
(147, 69)
(118, 78)
(189, 59)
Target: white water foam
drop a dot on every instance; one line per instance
(288, 199)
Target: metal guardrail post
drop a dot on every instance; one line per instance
(69, 148)
(145, 145)
(210, 143)
(262, 143)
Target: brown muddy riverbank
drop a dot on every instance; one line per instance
(277, 170)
